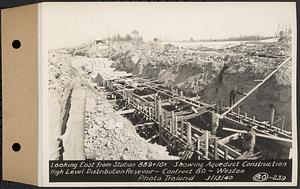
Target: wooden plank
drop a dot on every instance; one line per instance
(159, 109)
(215, 149)
(189, 133)
(144, 124)
(206, 143)
(194, 109)
(226, 154)
(160, 129)
(149, 95)
(272, 117)
(181, 128)
(198, 145)
(155, 107)
(194, 115)
(122, 112)
(282, 125)
(173, 123)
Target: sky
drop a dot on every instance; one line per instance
(68, 24)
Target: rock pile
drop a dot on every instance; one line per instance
(109, 136)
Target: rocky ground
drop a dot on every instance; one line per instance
(111, 136)
(197, 70)
(107, 135)
(211, 73)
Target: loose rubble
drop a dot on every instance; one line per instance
(195, 70)
(107, 135)
(112, 137)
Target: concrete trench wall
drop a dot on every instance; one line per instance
(55, 125)
(66, 113)
(57, 112)
(73, 137)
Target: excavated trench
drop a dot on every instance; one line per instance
(275, 93)
(88, 127)
(150, 134)
(64, 125)
(69, 131)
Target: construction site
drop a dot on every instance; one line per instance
(136, 100)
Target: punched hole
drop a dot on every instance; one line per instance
(16, 44)
(16, 147)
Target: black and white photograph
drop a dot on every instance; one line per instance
(170, 81)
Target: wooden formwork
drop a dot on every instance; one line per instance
(175, 125)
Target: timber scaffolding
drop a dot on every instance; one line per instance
(170, 113)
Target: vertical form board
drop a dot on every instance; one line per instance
(282, 124)
(159, 111)
(175, 125)
(206, 143)
(160, 129)
(272, 117)
(172, 123)
(20, 94)
(215, 149)
(181, 128)
(189, 133)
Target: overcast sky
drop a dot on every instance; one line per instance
(69, 24)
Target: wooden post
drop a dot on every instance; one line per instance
(206, 143)
(282, 125)
(221, 104)
(226, 154)
(159, 111)
(149, 112)
(253, 119)
(181, 93)
(166, 120)
(215, 148)
(197, 97)
(189, 133)
(181, 128)
(198, 146)
(155, 108)
(272, 117)
(172, 124)
(205, 76)
(175, 125)
(245, 116)
(238, 112)
(160, 129)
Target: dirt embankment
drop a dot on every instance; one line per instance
(84, 125)
(197, 71)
